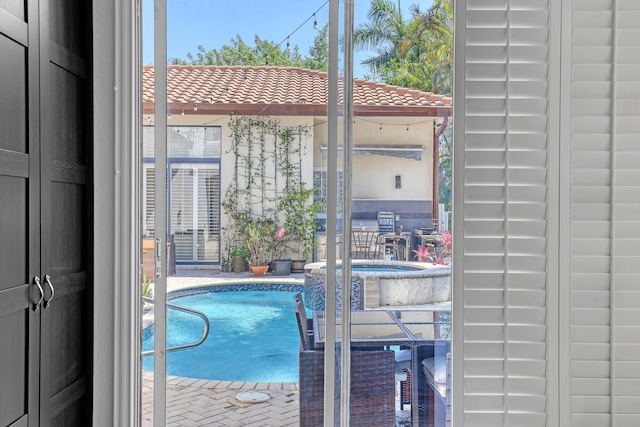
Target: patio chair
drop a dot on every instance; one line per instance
(437, 371)
(403, 375)
(394, 243)
(372, 388)
(363, 241)
(305, 325)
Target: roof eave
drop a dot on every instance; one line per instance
(314, 110)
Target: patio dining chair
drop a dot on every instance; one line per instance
(393, 243)
(372, 388)
(363, 241)
(305, 325)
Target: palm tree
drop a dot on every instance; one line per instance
(383, 33)
(439, 25)
(417, 53)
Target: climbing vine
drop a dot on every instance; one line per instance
(267, 184)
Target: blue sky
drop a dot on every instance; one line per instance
(212, 23)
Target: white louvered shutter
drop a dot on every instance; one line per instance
(502, 212)
(604, 350)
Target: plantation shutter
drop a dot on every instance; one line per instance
(604, 335)
(504, 152)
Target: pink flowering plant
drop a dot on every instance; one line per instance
(424, 254)
(444, 252)
(265, 241)
(436, 254)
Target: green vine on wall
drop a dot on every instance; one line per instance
(268, 167)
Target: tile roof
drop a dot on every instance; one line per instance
(281, 91)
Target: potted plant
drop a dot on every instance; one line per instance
(444, 248)
(260, 245)
(424, 254)
(225, 261)
(239, 258)
(225, 265)
(280, 267)
(300, 222)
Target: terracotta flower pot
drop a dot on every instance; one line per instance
(259, 270)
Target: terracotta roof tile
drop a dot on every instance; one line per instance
(212, 86)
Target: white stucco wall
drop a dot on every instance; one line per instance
(374, 175)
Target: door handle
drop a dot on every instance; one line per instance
(47, 302)
(36, 305)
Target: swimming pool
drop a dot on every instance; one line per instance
(253, 337)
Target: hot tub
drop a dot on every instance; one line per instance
(377, 283)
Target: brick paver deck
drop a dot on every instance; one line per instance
(192, 402)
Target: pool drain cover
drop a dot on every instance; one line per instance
(252, 397)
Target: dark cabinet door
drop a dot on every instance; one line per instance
(45, 211)
(65, 145)
(19, 215)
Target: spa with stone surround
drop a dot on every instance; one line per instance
(377, 283)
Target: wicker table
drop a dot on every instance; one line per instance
(420, 330)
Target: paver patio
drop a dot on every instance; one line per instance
(192, 402)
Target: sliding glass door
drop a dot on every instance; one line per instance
(260, 147)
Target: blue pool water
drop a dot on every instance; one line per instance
(253, 337)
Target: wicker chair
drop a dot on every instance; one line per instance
(305, 325)
(372, 388)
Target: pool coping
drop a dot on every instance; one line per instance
(220, 384)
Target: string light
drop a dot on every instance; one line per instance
(211, 100)
(315, 25)
(169, 115)
(195, 107)
(288, 45)
(380, 126)
(182, 111)
(407, 127)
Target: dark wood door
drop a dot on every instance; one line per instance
(45, 211)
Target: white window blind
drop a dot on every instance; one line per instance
(604, 295)
(194, 198)
(194, 209)
(502, 152)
